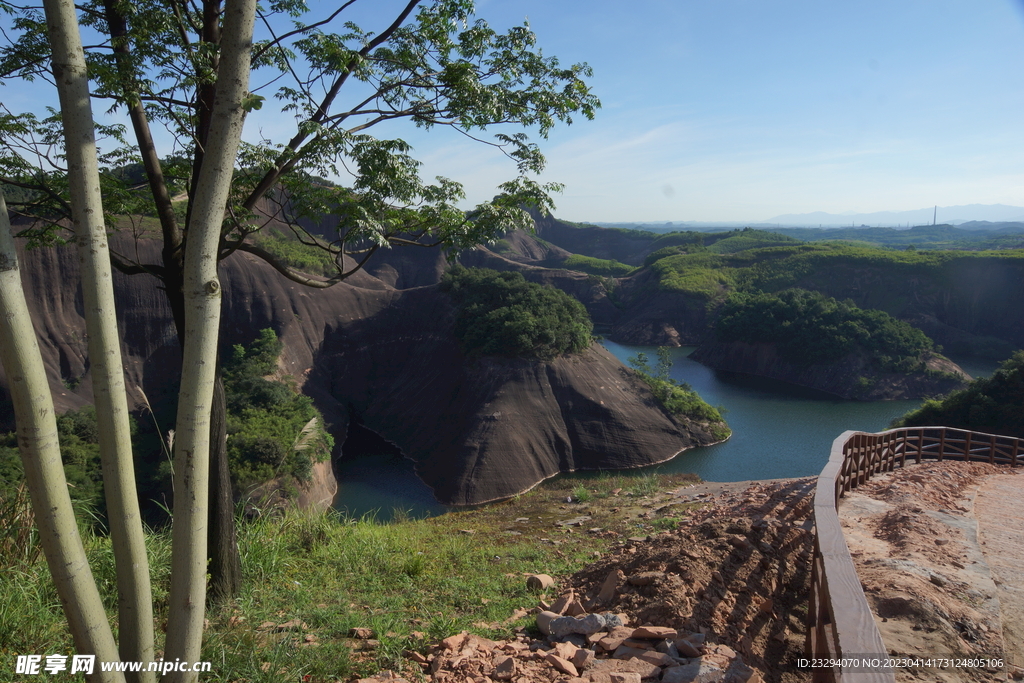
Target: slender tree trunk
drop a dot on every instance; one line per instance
(44, 470)
(135, 602)
(202, 320)
(225, 563)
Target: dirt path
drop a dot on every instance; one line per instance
(997, 508)
(936, 586)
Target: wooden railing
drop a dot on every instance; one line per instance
(840, 622)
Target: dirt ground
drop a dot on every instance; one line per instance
(914, 537)
(736, 569)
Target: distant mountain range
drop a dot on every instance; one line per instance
(950, 215)
(975, 216)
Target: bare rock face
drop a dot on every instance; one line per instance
(854, 376)
(478, 430)
(489, 428)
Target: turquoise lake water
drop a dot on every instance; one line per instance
(779, 430)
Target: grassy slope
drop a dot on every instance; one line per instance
(410, 580)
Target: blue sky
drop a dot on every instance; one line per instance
(741, 110)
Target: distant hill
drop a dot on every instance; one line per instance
(970, 216)
(952, 215)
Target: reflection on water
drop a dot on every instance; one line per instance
(779, 430)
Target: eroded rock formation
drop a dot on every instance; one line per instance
(478, 430)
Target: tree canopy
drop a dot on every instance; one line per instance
(433, 64)
(994, 404)
(501, 314)
(809, 327)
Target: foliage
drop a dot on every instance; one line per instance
(704, 275)
(432, 64)
(747, 238)
(78, 434)
(993, 405)
(596, 266)
(272, 431)
(808, 327)
(678, 398)
(333, 573)
(501, 314)
(996, 236)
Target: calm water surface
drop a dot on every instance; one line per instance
(778, 431)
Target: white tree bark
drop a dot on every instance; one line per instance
(135, 602)
(202, 321)
(44, 470)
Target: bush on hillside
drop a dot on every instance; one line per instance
(272, 431)
(501, 314)
(993, 405)
(597, 266)
(808, 327)
(678, 398)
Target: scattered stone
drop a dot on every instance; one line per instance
(575, 521)
(657, 658)
(539, 582)
(582, 658)
(562, 665)
(544, 620)
(615, 638)
(938, 579)
(563, 626)
(361, 633)
(610, 586)
(645, 578)
(695, 672)
(565, 650)
(562, 603)
(504, 668)
(415, 656)
(627, 652)
(575, 609)
(669, 648)
(624, 677)
(654, 632)
(687, 648)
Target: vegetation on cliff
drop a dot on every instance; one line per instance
(994, 404)
(678, 398)
(272, 430)
(597, 266)
(501, 314)
(808, 327)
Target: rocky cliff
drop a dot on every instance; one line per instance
(854, 376)
(478, 431)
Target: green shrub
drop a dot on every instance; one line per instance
(272, 431)
(678, 398)
(993, 404)
(501, 314)
(597, 266)
(808, 327)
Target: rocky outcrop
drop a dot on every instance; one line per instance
(490, 428)
(854, 376)
(478, 430)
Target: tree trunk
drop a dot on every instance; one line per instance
(44, 470)
(135, 601)
(202, 294)
(225, 564)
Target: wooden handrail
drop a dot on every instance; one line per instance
(839, 621)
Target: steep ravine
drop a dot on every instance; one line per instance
(854, 376)
(478, 431)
